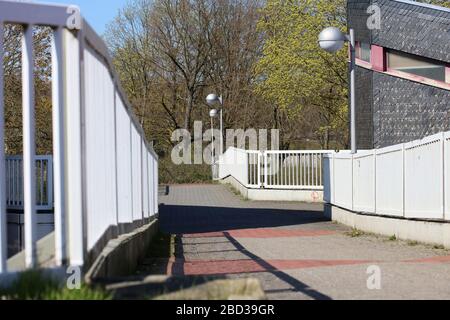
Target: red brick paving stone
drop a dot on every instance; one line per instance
(441, 259)
(262, 233)
(216, 267)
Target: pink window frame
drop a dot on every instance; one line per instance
(378, 62)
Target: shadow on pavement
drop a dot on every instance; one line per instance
(179, 220)
(176, 219)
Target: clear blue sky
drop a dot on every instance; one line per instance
(97, 12)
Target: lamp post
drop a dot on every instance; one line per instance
(212, 100)
(212, 115)
(332, 39)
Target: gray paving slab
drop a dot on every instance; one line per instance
(293, 250)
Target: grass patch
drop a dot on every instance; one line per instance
(438, 247)
(393, 238)
(412, 243)
(34, 285)
(354, 233)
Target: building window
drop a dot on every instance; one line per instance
(419, 66)
(363, 51)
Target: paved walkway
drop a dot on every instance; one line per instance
(293, 250)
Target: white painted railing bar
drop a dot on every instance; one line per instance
(29, 176)
(100, 151)
(274, 169)
(58, 102)
(3, 238)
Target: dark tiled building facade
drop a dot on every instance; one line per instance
(403, 74)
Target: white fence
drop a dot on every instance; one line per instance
(409, 180)
(104, 171)
(44, 182)
(274, 169)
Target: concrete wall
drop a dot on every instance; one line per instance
(121, 256)
(392, 110)
(275, 194)
(436, 233)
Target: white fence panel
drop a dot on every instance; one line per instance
(447, 174)
(234, 163)
(343, 189)
(145, 188)
(137, 174)
(155, 180)
(100, 147)
(424, 178)
(389, 181)
(364, 182)
(124, 178)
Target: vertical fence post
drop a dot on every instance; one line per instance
(403, 179)
(374, 181)
(29, 148)
(58, 147)
(259, 155)
(352, 182)
(265, 165)
(73, 147)
(3, 238)
(442, 142)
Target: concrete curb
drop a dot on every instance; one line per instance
(309, 196)
(122, 255)
(430, 232)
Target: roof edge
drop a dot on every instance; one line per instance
(424, 5)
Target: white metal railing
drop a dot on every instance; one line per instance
(274, 169)
(105, 173)
(44, 182)
(408, 180)
(294, 169)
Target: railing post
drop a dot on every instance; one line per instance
(403, 179)
(352, 181)
(443, 173)
(58, 101)
(29, 148)
(265, 165)
(3, 239)
(375, 181)
(73, 147)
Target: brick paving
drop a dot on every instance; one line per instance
(292, 249)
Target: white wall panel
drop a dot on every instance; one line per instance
(364, 183)
(124, 191)
(136, 173)
(100, 148)
(423, 179)
(447, 174)
(389, 177)
(343, 181)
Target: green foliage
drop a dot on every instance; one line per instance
(171, 173)
(294, 73)
(34, 285)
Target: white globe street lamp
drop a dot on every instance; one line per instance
(331, 40)
(214, 100)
